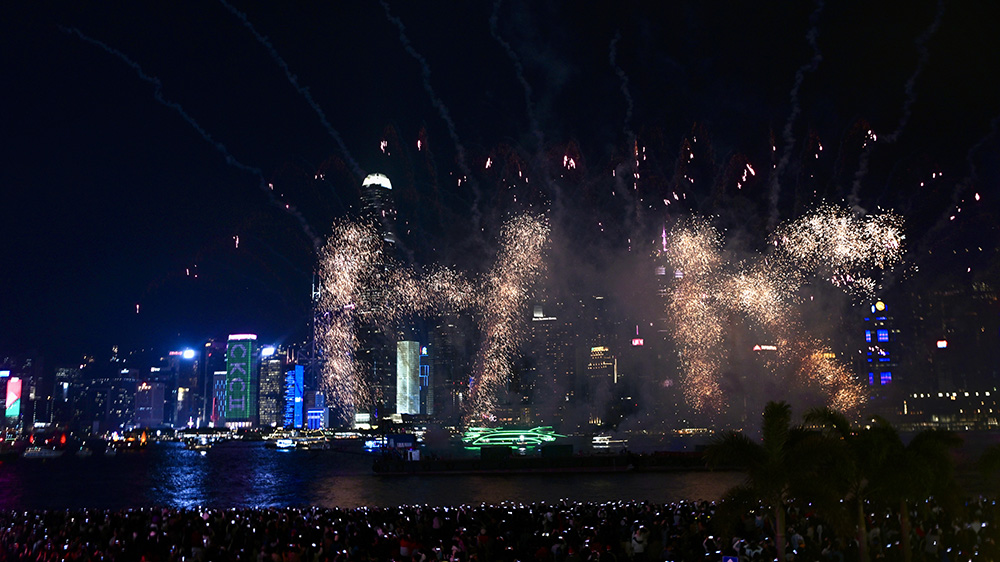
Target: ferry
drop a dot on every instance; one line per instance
(607, 442)
(307, 440)
(203, 439)
(42, 453)
(200, 444)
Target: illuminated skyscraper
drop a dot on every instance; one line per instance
(426, 383)
(377, 205)
(213, 360)
(407, 377)
(880, 341)
(217, 400)
(242, 383)
(294, 397)
(272, 378)
(377, 347)
(452, 342)
(149, 401)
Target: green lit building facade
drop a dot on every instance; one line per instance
(242, 381)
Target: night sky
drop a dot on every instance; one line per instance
(141, 141)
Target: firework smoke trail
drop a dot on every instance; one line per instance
(831, 242)
(812, 35)
(505, 295)
(536, 129)
(230, 159)
(294, 80)
(519, 71)
(910, 97)
(627, 126)
(612, 57)
(442, 110)
(951, 212)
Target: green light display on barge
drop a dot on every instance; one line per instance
(476, 437)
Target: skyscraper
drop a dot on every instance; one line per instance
(213, 360)
(272, 378)
(377, 205)
(376, 350)
(880, 339)
(149, 402)
(407, 377)
(452, 340)
(217, 400)
(242, 383)
(958, 332)
(294, 396)
(426, 383)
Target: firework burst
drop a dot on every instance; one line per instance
(362, 286)
(348, 264)
(506, 291)
(837, 244)
(830, 243)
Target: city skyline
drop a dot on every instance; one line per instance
(143, 176)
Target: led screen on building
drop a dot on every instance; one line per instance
(241, 379)
(13, 397)
(294, 393)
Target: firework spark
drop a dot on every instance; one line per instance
(830, 243)
(841, 246)
(506, 291)
(362, 285)
(348, 261)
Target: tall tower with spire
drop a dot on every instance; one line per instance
(377, 206)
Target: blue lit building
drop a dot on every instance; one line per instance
(317, 418)
(294, 397)
(881, 347)
(218, 399)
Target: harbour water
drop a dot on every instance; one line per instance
(242, 474)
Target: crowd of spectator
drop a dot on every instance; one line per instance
(537, 532)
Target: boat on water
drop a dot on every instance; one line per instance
(201, 444)
(302, 440)
(42, 453)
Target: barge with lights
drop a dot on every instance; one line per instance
(516, 451)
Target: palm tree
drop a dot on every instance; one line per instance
(914, 471)
(874, 463)
(859, 454)
(771, 465)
